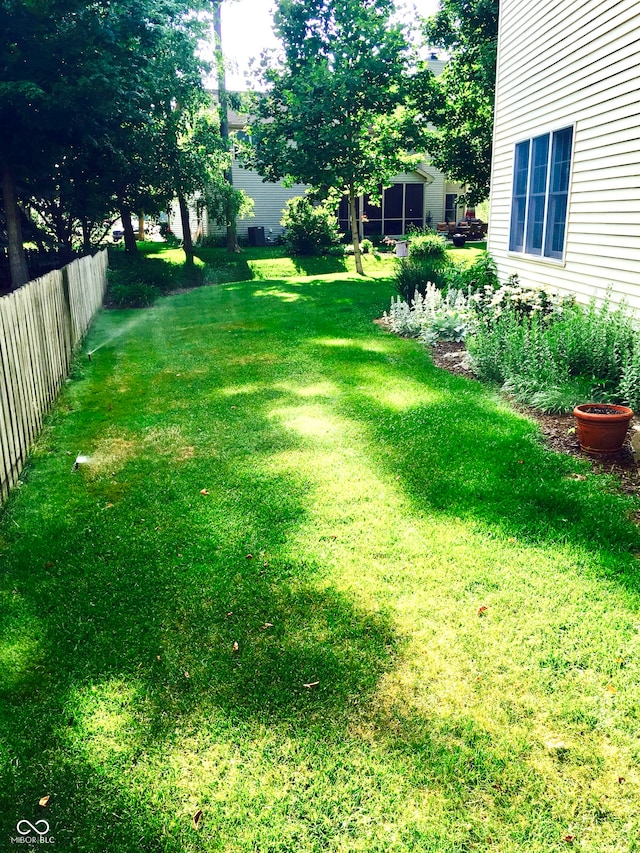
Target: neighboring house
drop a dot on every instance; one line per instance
(421, 197)
(565, 188)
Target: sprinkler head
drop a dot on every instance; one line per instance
(89, 356)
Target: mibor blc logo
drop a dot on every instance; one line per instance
(33, 833)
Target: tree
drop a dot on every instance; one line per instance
(460, 101)
(223, 101)
(82, 87)
(333, 116)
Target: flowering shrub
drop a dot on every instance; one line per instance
(431, 317)
(523, 301)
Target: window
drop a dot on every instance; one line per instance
(399, 206)
(451, 207)
(541, 171)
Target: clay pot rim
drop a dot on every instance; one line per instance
(619, 413)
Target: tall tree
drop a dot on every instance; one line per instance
(223, 103)
(459, 103)
(332, 116)
(80, 86)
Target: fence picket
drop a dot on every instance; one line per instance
(41, 325)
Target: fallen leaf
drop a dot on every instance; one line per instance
(249, 556)
(204, 491)
(48, 565)
(311, 684)
(611, 688)
(569, 839)
(44, 801)
(482, 609)
(236, 647)
(266, 625)
(621, 780)
(186, 674)
(197, 819)
(108, 506)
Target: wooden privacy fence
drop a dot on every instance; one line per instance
(40, 325)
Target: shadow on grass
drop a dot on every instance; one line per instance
(137, 610)
(490, 464)
(319, 266)
(120, 628)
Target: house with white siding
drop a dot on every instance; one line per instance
(421, 197)
(565, 187)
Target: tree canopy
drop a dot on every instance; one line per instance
(102, 101)
(459, 103)
(333, 114)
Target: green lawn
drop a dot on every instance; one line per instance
(312, 587)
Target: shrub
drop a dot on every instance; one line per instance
(427, 262)
(430, 247)
(430, 317)
(135, 281)
(136, 294)
(310, 230)
(481, 275)
(523, 301)
(366, 247)
(551, 354)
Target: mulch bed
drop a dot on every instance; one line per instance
(559, 430)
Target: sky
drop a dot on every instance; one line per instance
(246, 31)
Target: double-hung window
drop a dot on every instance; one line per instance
(540, 194)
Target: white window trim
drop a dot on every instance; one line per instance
(527, 256)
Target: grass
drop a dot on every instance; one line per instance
(309, 585)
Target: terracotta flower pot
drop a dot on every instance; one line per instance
(602, 427)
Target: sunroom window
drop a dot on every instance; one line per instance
(540, 193)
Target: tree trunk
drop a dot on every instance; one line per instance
(130, 244)
(187, 242)
(17, 258)
(355, 237)
(232, 232)
(141, 226)
(86, 237)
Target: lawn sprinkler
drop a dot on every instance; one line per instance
(89, 356)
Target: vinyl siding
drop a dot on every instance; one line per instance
(574, 63)
(270, 199)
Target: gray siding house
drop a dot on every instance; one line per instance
(420, 197)
(565, 189)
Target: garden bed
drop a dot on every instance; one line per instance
(559, 430)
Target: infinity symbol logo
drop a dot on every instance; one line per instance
(24, 827)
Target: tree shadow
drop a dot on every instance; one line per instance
(123, 627)
(140, 608)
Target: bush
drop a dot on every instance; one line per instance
(429, 247)
(135, 281)
(135, 294)
(551, 354)
(366, 247)
(524, 301)
(430, 317)
(481, 275)
(310, 230)
(428, 262)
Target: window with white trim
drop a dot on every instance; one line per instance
(541, 171)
